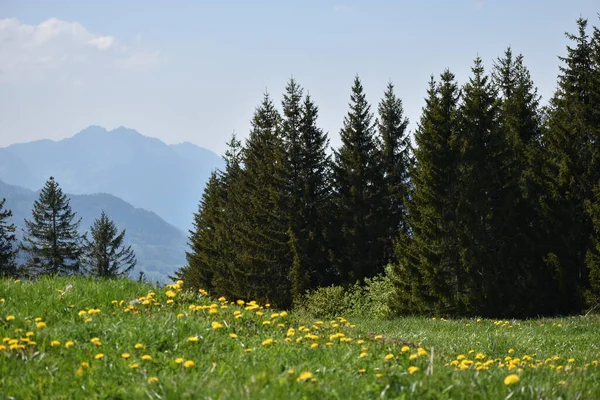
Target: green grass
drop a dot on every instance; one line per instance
(247, 367)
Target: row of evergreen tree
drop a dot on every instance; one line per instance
(495, 211)
(53, 244)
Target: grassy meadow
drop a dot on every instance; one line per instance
(81, 338)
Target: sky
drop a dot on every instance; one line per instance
(196, 70)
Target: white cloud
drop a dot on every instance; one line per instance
(34, 52)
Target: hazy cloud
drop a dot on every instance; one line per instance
(30, 52)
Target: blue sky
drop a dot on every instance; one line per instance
(195, 70)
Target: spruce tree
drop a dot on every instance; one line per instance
(261, 241)
(593, 204)
(395, 163)
(52, 240)
(105, 254)
(482, 191)
(8, 243)
(359, 197)
(572, 171)
(427, 274)
(203, 252)
(525, 282)
(310, 234)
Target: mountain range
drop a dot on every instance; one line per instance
(143, 171)
(147, 187)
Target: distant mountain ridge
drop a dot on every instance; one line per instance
(159, 247)
(143, 171)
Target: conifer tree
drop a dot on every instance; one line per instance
(312, 267)
(230, 215)
(105, 254)
(395, 163)
(572, 171)
(8, 243)
(524, 280)
(261, 243)
(427, 274)
(203, 252)
(52, 240)
(358, 186)
(483, 189)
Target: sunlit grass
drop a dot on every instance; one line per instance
(83, 338)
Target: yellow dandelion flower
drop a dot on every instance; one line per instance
(388, 357)
(85, 364)
(147, 357)
(283, 314)
(412, 357)
(178, 360)
(314, 345)
(134, 365)
(54, 343)
(378, 337)
(222, 299)
(562, 382)
(125, 356)
(189, 364)
(267, 342)
(421, 352)
(152, 379)
(180, 315)
(40, 325)
(170, 294)
(29, 334)
(571, 360)
(362, 370)
(510, 351)
(216, 325)
(404, 349)
(412, 369)
(266, 323)
(79, 372)
(99, 356)
(379, 375)
(304, 376)
(233, 335)
(259, 313)
(363, 354)
(10, 317)
(511, 379)
(138, 346)
(248, 350)
(69, 344)
(193, 339)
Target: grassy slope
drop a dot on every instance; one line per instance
(244, 367)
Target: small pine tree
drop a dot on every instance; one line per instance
(52, 239)
(105, 255)
(8, 243)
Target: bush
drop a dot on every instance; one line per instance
(369, 300)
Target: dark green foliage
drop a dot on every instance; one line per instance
(573, 170)
(358, 182)
(482, 192)
(52, 240)
(105, 255)
(261, 243)
(428, 273)
(525, 282)
(308, 189)
(8, 243)
(203, 253)
(395, 164)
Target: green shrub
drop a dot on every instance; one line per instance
(369, 299)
